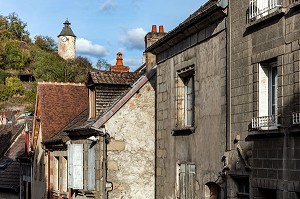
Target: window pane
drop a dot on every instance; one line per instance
(189, 101)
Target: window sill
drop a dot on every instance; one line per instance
(271, 131)
(266, 19)
(242, 195)
(184, 131)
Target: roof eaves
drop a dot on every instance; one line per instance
(115, 107)
(182, 27)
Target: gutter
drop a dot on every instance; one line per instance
(219, 5)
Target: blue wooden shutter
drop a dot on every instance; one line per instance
(91, 167)
(75, 166)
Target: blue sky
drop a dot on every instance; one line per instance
(102, 27)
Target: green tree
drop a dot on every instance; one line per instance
(46, 43)
(4, 92)
(14, 85)
(77, 70)
(102, 64)
(13, 24)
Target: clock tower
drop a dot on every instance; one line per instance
(66, 42)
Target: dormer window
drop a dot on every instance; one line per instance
(261, 8)
(92, 103)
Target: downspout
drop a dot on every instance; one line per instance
(105, 140)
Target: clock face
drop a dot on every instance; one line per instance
(64, 39)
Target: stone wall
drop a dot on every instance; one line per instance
(131, 164)
(205, 147)
(67, 49)
(274, 37)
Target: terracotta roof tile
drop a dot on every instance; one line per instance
(58, 104)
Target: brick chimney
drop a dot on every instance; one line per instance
(151, 38)
(119, 67)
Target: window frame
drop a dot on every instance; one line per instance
(92, 103)
(185, 92)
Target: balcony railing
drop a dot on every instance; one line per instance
(265, 122)
(260, 8)
(296, 118)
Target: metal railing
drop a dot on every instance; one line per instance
(260, 8)
(265, 122)
(296, 118)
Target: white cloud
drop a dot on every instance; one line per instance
(133, 63)
(133, 39)
(108, 5)
(86, 47)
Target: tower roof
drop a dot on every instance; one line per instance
(66, 31)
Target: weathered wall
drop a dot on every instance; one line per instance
(274, 153)
(131, 164)
(40, 171)
(206, 146)
(67, 49)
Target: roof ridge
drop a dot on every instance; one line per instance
(61, 83)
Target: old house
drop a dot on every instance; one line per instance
(263, 94)
(13, 141)
(191, 106)
(56, 105)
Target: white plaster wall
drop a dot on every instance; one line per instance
(131, 161)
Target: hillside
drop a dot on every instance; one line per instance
(25, 61)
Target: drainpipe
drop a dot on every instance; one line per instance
(105, 140)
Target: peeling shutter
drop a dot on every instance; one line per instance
(91, 167)
(182, 181)
(75, 166)
(190, 181)
(187, 181)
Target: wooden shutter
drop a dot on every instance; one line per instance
(91, 167)
(182, 181)
(187, 181)
(75, 166)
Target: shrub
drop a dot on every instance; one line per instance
(14, 85)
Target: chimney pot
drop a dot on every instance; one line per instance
(161, 29)
(153, 28)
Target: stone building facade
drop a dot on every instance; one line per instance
(66, 42)
(191, 106)
(263, 97)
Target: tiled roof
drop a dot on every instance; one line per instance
(67, 31)
(10, 170)
(7, 135)
(79, 122)
(58, 104)
(109, 77)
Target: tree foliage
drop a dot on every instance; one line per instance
(102, 64)
(45, 43)
(14, 85)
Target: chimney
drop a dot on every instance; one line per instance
(153, 28)
(151, 38)
(161, 29)
(119, 67)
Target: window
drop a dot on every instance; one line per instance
(267, 96)
(243, 187)
(185, 97)
(92, 103)
(185, 181)
(261, 8)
